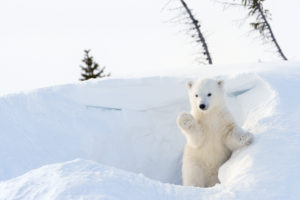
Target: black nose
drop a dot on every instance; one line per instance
(202, 106)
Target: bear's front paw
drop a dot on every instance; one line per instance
(185, 120)
(247, 138)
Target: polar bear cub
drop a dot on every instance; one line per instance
(211, 133)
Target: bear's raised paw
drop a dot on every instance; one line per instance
(185, 120)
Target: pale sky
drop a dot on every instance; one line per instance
(42, 42)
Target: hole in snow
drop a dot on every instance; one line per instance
(147, 140)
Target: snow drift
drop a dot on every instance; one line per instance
(129, 124)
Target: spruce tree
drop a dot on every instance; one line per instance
(261, 23)
(186, 16)
(91, 70)
(198, 35)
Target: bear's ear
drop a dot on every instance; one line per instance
(189, 84)
(221, 83)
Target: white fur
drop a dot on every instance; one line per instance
(211, 134)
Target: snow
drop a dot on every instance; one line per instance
(117, 138)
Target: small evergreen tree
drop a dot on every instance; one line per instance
(91, 70)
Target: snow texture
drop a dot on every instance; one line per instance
(124, 133)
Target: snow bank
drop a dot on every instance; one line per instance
(81, 179)
(129, 124)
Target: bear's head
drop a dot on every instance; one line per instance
(205, 94)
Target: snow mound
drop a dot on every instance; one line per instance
(129, 124)
(81, 179)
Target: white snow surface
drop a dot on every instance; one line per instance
(118, 139)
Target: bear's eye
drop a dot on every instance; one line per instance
(209, 94)
(196, 95)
